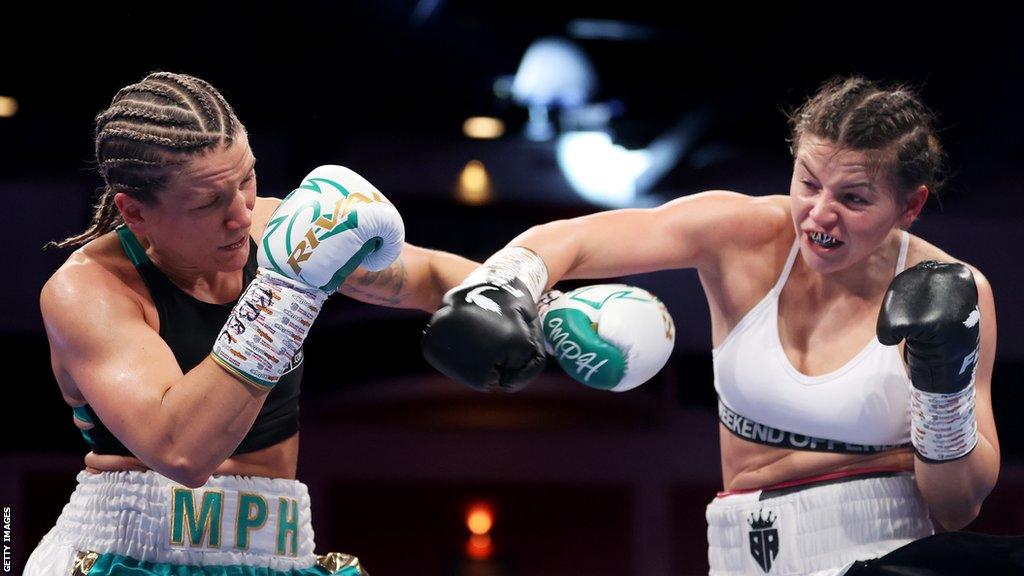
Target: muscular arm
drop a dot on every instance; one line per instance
(955, 490)
(690, 232)
(417, 279)
(181, 425)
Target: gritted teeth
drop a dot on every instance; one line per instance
(237, 244)
(824, 240)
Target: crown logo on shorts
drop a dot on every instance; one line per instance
(760, 523)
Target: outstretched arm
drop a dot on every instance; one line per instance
(417, 279)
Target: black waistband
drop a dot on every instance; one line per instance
(747, 429)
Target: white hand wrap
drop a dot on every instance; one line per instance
(510, 264)
(943, 426)
(267, 327)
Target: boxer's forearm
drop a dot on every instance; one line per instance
(955, 490)
(557, 244)
(417, 279)
(688, 232)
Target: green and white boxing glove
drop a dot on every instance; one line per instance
(322, 231)
(330, 225)
(608, 336)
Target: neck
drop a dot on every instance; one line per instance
(866, 280)
(213, 286)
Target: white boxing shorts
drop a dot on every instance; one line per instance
(143, 523)
(818, 528)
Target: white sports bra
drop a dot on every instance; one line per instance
(861, 407)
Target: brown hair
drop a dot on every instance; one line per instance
(859, 114)
(147, 132)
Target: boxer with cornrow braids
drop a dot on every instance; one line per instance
(176, 333)
(149, 129)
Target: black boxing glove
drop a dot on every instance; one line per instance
(934, 306)
(488, 335)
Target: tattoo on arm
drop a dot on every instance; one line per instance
(384, 287)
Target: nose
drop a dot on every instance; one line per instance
(823, 212)
(240, 212)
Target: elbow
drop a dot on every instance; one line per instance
(194, 481)
(187, 473)
(955, 491)
(956, 518)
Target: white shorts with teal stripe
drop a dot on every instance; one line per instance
(143, 523)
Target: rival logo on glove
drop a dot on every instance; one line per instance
(321, 226)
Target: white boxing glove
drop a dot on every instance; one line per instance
(608, 336)
(332, 223)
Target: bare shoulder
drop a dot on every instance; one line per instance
(94, 290)
(735, 218)
(708, 230)
(769, 216)
(921, 250)
(97, 270)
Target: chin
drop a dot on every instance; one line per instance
(234, 261)
(822, 265)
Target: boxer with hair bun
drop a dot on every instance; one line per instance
(852, 359)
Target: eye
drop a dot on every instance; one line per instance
(210, 204)
(856, 200)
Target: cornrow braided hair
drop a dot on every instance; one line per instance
(891, 122)
(147, 132)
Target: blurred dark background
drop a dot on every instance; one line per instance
(579, 481)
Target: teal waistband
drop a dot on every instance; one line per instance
(82, 414)
(118, 565)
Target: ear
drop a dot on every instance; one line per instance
(913, 206)
(133, 212)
